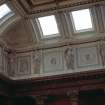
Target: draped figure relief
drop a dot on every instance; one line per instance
(102, 50)
(36, 62)
(69, 57)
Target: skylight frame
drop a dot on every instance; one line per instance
(41, 31)
(82, 30)
(7, 15)
(6, 11)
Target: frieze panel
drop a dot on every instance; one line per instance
(87, 56)
(24, 65)
(36, 62)
(3, 61)
(102, 50)
(55, 61)
(12, 64)
(69, 57)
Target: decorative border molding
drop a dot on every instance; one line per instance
(31, 8)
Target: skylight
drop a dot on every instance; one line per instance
(4, 10)
(48, 25)
(82, 20)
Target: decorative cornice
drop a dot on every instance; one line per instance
(36, 7)
(62, 43)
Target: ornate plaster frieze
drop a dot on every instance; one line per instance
(55, 61)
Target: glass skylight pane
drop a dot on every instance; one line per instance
(82, 19)
(48, 25)
(4, 10)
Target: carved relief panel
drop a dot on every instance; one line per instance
(24, 65)
(87, 57)
(36, 62)
(12, 64)
(53, 60)
(102, 50)
(69, 57)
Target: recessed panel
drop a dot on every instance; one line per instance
(87, 56)
(52, 61)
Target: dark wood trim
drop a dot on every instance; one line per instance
(54, 85)
(61, 84)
